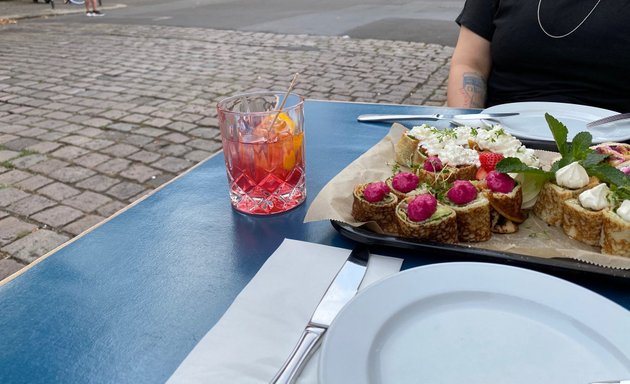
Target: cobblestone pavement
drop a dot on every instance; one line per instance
(93, 117)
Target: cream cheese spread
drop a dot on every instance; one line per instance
(624, 210)
(595, 198)
(572, 176)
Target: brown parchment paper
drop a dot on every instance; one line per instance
(534, 237)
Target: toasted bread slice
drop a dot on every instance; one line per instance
(508, 205)
(549, 205)
(442, 229)
(405, 149)
(448, 174)
(580, 223)
(473, 220)
(615, 234)
(381, 212)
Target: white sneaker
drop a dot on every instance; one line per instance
(89, 13)
(97, 13)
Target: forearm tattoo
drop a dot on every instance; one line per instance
(474, 90)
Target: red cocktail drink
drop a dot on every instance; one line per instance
(264, 162)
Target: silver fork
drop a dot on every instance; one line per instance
(609, 119)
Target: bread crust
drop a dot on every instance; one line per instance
(381, 213)
(473, 220)
(508, 205)
(615, 234)
(405, 150)
(580, 223)
(549, 206)
(448, 175)
(443, 230)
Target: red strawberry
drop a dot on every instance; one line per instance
(489, 160)
(481, 173)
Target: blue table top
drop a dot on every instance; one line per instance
(128, 301)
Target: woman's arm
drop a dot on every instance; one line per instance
(470, 67)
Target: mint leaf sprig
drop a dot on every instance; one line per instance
(578, 150)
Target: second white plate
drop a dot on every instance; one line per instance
(476, 323)
(531, 123)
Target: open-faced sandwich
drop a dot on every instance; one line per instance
(421, 217)
(472, 211)
(569, 181)
(582, 217)
(375, 202)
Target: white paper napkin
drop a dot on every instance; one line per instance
(259, 330)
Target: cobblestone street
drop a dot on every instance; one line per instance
(94, 117)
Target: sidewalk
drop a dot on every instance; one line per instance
(13, 10)
(89, 125)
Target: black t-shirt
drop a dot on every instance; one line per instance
(591, 66)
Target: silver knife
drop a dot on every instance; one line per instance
(341, 290)
(437, 116)
(609, 119)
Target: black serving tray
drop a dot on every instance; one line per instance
(455, 252)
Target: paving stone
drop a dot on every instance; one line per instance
(83, 224)
(120, 150)
(111, 208)
(144, 156)
(29, 248)
(197, 155)
(114, 114)
(71, 174)
(69, 152)
(98, 183)
(138, 140)
(177, 150)
(9, 267)
(160, 180)
(58, 191)
(157, 122)
(10, 195)
(58, 216)
(205, 133)
(206, 145)
(5, 138)
(34, 182)
(125, 190)
(20, 144)
(12, 229)
(33, 132)
(90, 132)
(13, 177)
(123, 127)
(30, 205)
(3, 214)
(97, 122)
(91, 160)
(135, 118)
(172, 164)
(176, 138)
(48, 166)
(87, 201)
(140, 173)
(8, 155)
(97, 144)
(181, 126)
(44, 147)
(113, 166)
(75, 140)
(152, 132)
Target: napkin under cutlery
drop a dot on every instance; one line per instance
(256, 334)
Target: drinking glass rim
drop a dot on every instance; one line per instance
(226, 100)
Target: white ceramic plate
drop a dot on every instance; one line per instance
(531, 123)
(476, 323)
